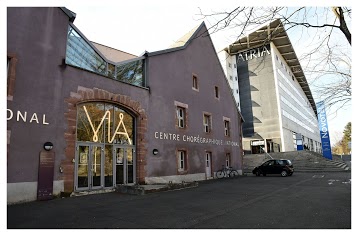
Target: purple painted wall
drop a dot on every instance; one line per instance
(38, 36)
(170, 79)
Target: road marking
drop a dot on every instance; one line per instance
(318, 176)
(349, 182)
(330, 181)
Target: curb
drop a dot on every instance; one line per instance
(145, 189)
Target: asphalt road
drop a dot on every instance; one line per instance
(301, 201)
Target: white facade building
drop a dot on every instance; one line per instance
(271, 91)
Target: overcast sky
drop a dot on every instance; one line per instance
(136, 26)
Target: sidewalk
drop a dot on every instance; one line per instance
(139, 189)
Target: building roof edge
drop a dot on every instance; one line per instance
(71, 15)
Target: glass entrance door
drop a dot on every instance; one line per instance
(82, 160)
(96, 167)
(89, 167)
(130, 165)
(125, 164)
(99, 166)
(119, 157)
(208, 165)
(108, 166)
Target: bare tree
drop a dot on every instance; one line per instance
(328, 61)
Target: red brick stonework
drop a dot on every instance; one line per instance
(11, 75)
(90, 95)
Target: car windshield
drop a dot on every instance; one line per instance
(286, 162)
(282, 162)
(267, 163)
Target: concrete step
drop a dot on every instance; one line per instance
(301, 160)
(321, 170)
(83, 193)
(145, 189)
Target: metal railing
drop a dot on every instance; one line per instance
(266, 153)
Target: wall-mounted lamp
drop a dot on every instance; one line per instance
(48, 146)
(155, 151)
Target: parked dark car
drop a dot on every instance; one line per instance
(282, 167)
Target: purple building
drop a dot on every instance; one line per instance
(85, 117)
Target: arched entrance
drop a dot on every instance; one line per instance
(105, 146)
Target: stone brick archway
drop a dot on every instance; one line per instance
(89, 95)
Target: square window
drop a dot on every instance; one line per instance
(195, 82)
(230, 77)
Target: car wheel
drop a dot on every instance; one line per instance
(284, 173)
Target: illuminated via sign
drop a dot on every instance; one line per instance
(107, 115)
(253, 53)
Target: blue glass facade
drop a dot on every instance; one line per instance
(131, 72)
(81, 53)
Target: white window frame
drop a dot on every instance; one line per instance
(181, 160)
(180, 105)
(208, 159)
(207, 123)
(227, 160)
(181, 117)
(227, 127)
(195, 84)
